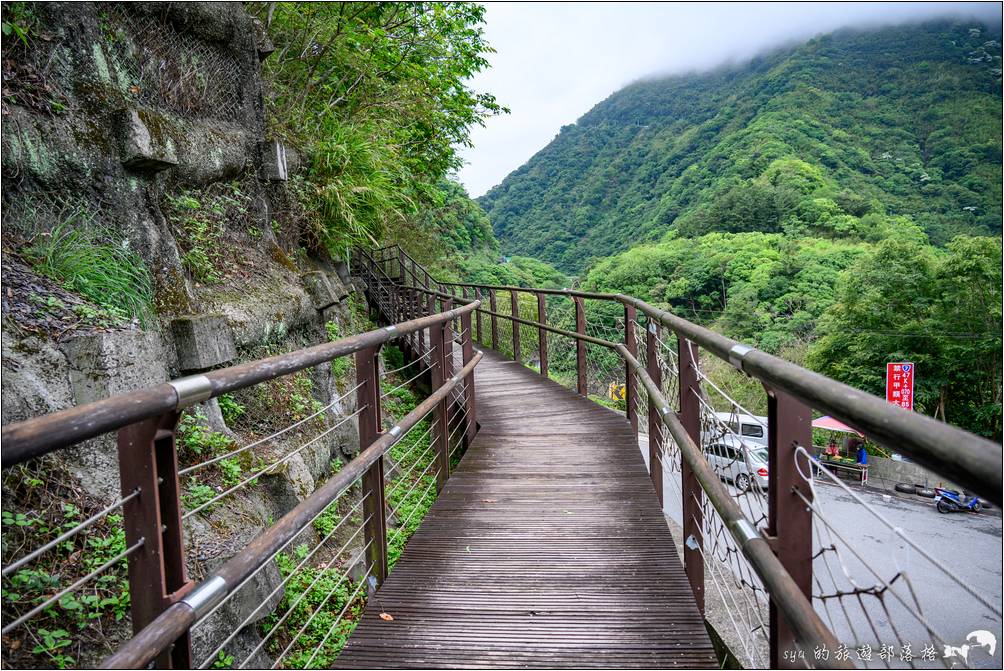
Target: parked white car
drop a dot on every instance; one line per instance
(752, 428)
(742, 465)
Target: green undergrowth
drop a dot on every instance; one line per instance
(81, 257)
(198, 443)
(41, 502)
(200, 221)
(336, 601)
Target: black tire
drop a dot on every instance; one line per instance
(905, 488)
(945, 507)
(926, 492)
(743, 482)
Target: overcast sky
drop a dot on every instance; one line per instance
(556, 60)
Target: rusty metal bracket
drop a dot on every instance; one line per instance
(770, 539)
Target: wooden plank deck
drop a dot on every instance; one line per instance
(547, 548)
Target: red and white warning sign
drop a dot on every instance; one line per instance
(899, 384)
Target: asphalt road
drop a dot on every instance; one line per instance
(968, 545)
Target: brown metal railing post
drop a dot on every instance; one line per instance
(467, 345)
(400, 262)
(580, 346)
(374, 507)
(541, 333)
(433, 348)
(416, 311)
(517, 354)
(693, 495)
(158, 576)
(655, 435)
(495, 325)
(478, 316)
(447, 341)
(789, 530)
(441, 414)
(630, 381)
(406, 343)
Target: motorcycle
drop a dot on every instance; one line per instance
(949, 501)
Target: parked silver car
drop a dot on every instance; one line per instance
(742, 465)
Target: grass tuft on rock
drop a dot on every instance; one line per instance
(82, 259)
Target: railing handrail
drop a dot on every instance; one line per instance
(40, 435)
(810, 629)
(157, 636)
(960, 456)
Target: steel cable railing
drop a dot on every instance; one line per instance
(270, 467)
(148, 419)
(261, 441)
(214, 655)
(693, 406)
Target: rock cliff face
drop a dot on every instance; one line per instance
(143, 124)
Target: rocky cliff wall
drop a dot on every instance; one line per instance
(141, 126)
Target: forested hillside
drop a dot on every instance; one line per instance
(828, 138)
(837, 203)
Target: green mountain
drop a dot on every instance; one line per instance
(829, 139)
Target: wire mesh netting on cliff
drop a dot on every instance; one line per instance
(170, 69)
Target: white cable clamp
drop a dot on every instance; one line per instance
(390, 329)
(191, 390)
(746, 530)
(395, 431)
(653, 327)
(737, 353)
(206, 596)
(665, 410)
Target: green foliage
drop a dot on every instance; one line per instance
(302, 403)
(18, 20)
(325, 523)
(80, 257)
(446, 231)
(230, 408)
(765, 289)
(197, 494)
(377, 95)
(51, 645)
(342, 365)
(810, 140)
(200, 227)
(79, 614)
(517, 271)
(196, 438)
(320, 595)
(231, 471)
(905, 301)
(223, 661)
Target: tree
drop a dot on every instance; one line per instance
(376, 94)
(907, 302)
(969, 314)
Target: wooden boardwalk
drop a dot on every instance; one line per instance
(547, 548)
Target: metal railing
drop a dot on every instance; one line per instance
(756, 551)
(165, 605)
